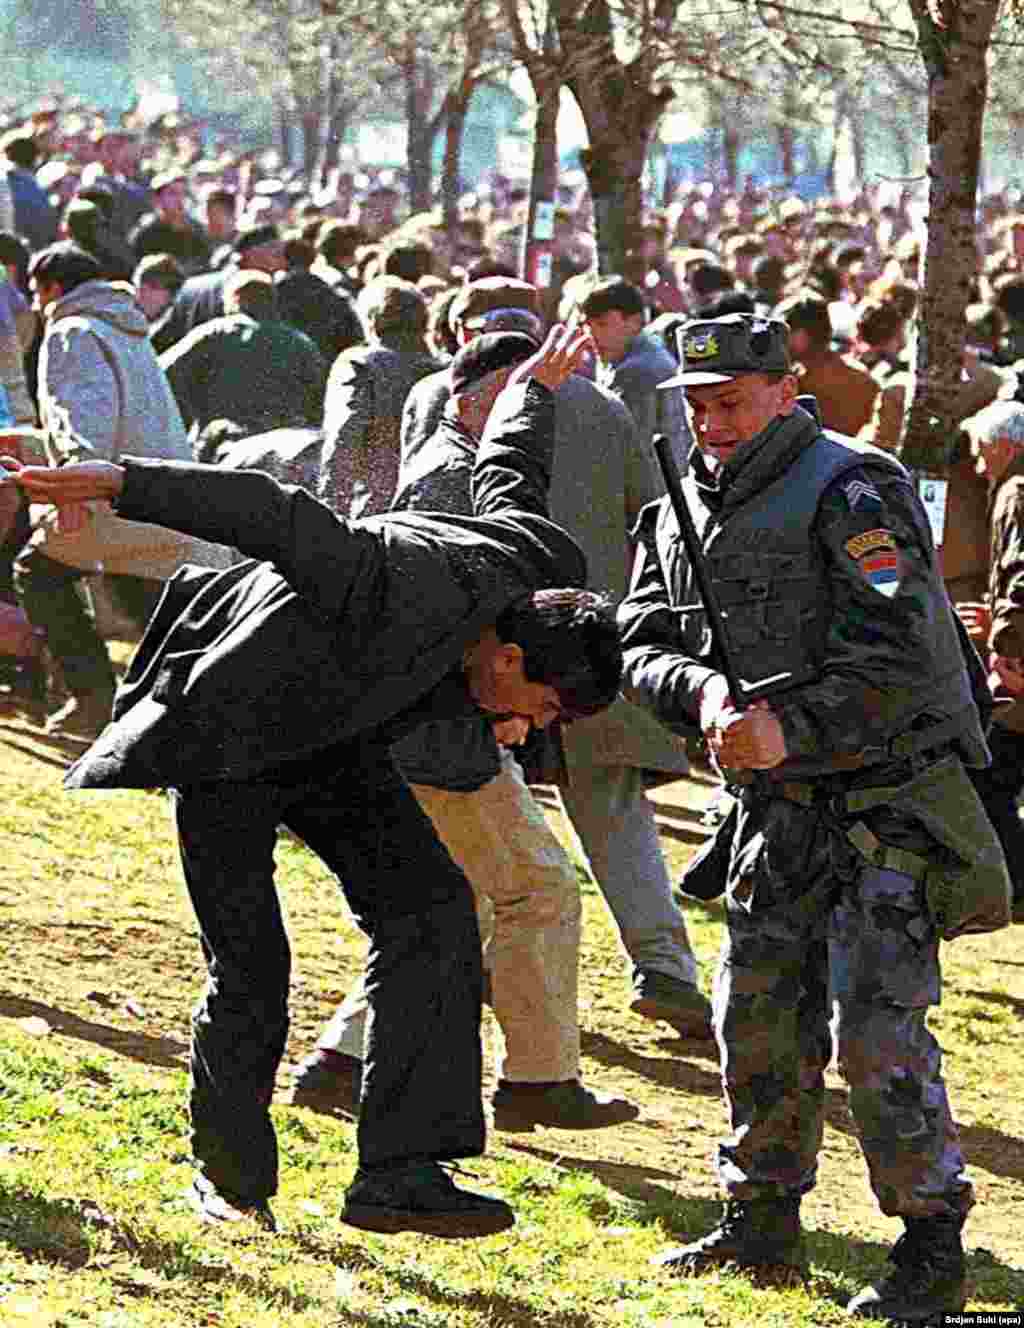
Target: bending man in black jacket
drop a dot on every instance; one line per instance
(271, 693)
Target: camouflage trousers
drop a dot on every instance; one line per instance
(851, 962)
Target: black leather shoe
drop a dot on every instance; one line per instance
(564, 1106)
(672, 1001)
(421, 1196)
(328, 1081)
(220, 1206)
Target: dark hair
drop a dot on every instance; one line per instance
(100, 196)
(488, 354)
(298, 251)
(409, 261)
(488, 266)
(83, 221)
(255, 237)
(20, 149)
(438, 328)
(728, 302)
(394, 313)
(878, 321)
(1009, 295)
(570, 641)
(222, 198)
(613, 294)
(848, 254)
(708, 279)
(252, 293)
(162, 270)
(339, 240)
(665, 327)
(768, 272)
(14, 252)
(807, 312)
(66, 264)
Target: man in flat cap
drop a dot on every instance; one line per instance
(855, 842)
(602, 477)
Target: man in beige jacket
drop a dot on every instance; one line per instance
(102, 394)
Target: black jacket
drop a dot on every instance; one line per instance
(343, 627)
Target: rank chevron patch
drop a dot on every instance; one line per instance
(860, 491)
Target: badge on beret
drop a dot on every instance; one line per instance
(702, 346)
(877, 559)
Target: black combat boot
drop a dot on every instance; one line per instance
(929, 1277)
(752, 1233)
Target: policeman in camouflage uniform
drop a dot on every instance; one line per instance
(855, 841)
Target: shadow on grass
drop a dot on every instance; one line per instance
(984, 1146)
(686, 1077)
(832, 1255)
(1013, 1003)
(57, 1232)
(164, 1052)
(495, 1306)
(633, 1182)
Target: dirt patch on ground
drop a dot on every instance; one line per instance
(107, 953)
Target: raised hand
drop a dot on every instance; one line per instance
(559, 356)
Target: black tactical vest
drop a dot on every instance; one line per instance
(773, 588)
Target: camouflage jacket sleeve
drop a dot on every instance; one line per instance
(1006, 581)
(885, 598)
(658, 675)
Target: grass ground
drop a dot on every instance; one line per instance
(98, 969)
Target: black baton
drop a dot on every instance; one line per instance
(695, 554)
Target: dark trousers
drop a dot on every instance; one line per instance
(421, 1094)
(54, 598)
(999, 787)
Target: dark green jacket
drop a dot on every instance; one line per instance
(261, 375)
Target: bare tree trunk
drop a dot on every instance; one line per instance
(311, 118)
(621, 112)
(456, 106)
(536, 254)
(731, 156)
(787, 150)
(954, 37)
(283, 124)
(419, 88)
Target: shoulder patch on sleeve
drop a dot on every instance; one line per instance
(869, 540)
(878, 560)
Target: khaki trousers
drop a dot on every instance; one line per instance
(528, 906)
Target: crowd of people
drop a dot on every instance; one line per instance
(371, 500)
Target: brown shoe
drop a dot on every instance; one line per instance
(83, 718)
(563, 1106)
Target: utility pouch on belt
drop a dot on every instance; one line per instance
(974, 893)
(707, 874)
